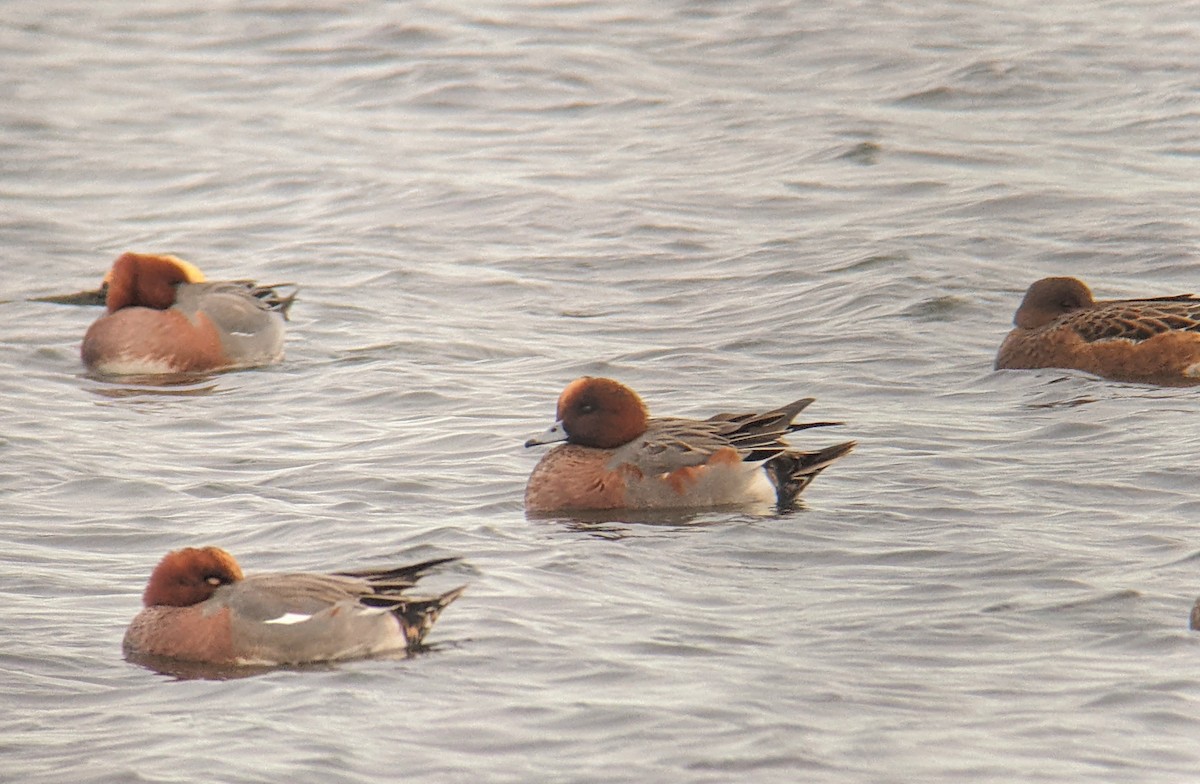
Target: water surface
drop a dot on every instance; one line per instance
(725, 205)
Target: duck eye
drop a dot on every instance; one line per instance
(214, 580)
(587, 408)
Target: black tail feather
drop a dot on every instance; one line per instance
(417, 615)
(793, 471)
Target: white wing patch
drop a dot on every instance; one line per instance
(289, 618)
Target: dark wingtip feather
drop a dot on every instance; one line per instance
(792, 428)
(406, 574)
(274, 299)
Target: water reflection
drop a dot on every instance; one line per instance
(615, 524)
(166, 385)
(191, 670)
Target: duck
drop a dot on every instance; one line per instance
(616, 456)
(163, 317)
(1059, 324)
(199, 607)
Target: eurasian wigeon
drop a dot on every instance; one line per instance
(618, 457)
(200, 608)
(163, 317)
(1059, 325)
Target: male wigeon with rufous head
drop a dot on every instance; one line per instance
(1059, 325)
(199, 607)
(164, 317)
(617, 456)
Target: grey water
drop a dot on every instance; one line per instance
(725, 205)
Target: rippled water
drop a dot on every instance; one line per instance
(724, 205)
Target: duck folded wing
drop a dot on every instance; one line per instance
(758, 437)
(288, 598)
(282, 618)
(231, 306)
(1137, 320)
(671, 443)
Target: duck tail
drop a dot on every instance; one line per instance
(792, 471)
(417, 615)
